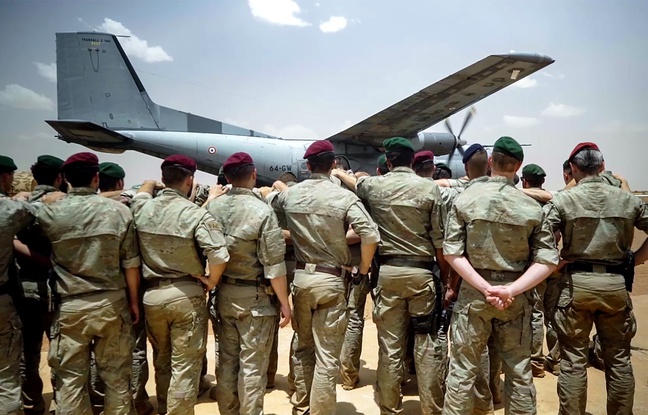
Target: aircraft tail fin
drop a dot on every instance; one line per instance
(97, 83)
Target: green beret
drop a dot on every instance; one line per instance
(398, 143)
(443, 166)
(50, 161)
(510, 147)
(382, 160)
(112, 170)
(533, 171)
(7, 163)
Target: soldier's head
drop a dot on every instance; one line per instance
(240, 171)
(533, 176)
(320, 157)
(111, 177)
(585, 160)
(287, 178)
(81, 170)
(507, 157)
(47, 171)
(178, 173)
(475, 160)
(382, 168)
(7, 169)
(442, 171)
(399, 152)
(567, 172)
(423, 164)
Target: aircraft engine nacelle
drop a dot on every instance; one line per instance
(438, 143)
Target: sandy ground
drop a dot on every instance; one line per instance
(362, 400)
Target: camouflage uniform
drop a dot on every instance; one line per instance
(92, 238)
(410, 216)
(318, 213)
(499, 250)
(34, 308)
(14, 216)
(597, 223)
(247, 312)
(174, 302)
(23, 182)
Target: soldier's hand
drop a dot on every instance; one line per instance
(265, 191)
(280, 186)
(53, 197)
(217, 191)
(208, 283)
(22, 196)
(500, 296)
(450, 296)
(134, 312)
(286, 315)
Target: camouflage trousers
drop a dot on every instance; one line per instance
(37, 321)
(274, 352)
(320, 317)
(177, 330)
(483, 395)
(402, 293)
(247, 321)
(473, 322)
(352, 347)
(602, 300)
(11, 340)
(544, 298)
(105, 321)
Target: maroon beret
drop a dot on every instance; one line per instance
(423, 156)
(80, 160)
(317, 148)
(180, 160)
(583, 146)
(236, 161)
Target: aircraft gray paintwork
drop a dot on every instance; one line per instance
(103, 105)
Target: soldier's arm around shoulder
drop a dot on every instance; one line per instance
(271, 247)
(438, 214)
(209, 237)
(542, 243)
(129, 254)
(454, 241)
(361, 222)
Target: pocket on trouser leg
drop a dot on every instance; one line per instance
(336, 320)
(630, 327)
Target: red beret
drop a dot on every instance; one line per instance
(583, 146)
(180, 160)
(423, 156)
(317, 148)
(236, 161)
(80, 160)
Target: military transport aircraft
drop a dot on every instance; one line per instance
(103, 105)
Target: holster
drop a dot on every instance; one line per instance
(426, 324)
(629, 270)
(375, 271)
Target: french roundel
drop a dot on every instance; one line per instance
(211, 150)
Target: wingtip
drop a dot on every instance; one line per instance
(528, 57)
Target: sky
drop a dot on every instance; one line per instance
(308, 69)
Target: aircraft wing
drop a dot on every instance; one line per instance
(442, 99)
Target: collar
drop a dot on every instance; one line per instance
(82, 191)
(241, 191)
(403, 169)
(501, 179)
(170, 191)
(591, 179)
(45, 188)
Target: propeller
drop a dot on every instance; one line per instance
(459, 143)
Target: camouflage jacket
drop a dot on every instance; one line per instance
(499, 228)
(14, 216)
(408, 210)
(176, 236)
(254, 239)
(449, 194)
(93, 239)
(318, 213)
(596, 221)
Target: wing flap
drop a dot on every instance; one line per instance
(443, 98)
(89, 134)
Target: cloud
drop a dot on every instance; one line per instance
(291, 131)
(17, 96)
(333, 24)
(520, 122)
(133, 45)
(552, 76)
(47, 71)
(526, 83)
(562, 110)
(279, 12)
(317, 4)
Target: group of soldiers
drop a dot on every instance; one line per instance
(464, 275)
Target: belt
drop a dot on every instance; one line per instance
(248, 283)
(405, 261)
(157, 282)
(322, 268)
(508, 276)
(590, 267)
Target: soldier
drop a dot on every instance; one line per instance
(596, 221)
(111, 185)
(486, 244)
(382, 168)
(253, 281)
(14, 216)
(175, 238)
(95, 257)
(318, 212)
(35, 267)
(423, 164)
(442, 171)
(567, 172)
(410, 214)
